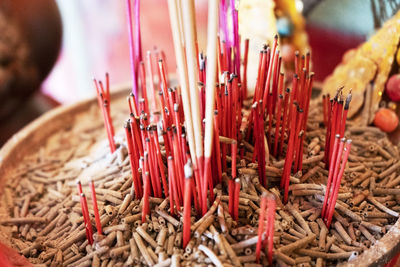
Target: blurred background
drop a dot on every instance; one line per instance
(73, 41)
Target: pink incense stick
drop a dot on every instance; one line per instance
(95, 208)
(245, 59)
(131, 46)
(261, 220)
(187, 206)
(337, 185)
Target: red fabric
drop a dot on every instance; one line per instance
(328, 47)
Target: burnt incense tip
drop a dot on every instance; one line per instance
(288, 90)
(160, 60)
(237, 180)
(141, 100)
(147, 139)
(348, 100)
(176, 107)
(281, 96)
(276, 36)
(337, 136)
(82, 195)
(297, 53)
(188, 170)
(303, 57)
(160, 93)
(78, 181)
(343, 139)
(349, 141)
(216, 112)
(170, 158)
(295, 76)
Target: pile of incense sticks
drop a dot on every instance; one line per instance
(46, 223)
(172, 173)
(335, 116)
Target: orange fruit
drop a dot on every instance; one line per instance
(386, 120)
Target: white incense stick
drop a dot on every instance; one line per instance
(182, 72)
(191, 59)
(211, 70)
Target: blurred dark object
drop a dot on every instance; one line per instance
(382, 10)
(309, 5)
(29, 46)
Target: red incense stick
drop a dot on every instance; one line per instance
(284, 119)
(278, 124)
(85, 219)
(187, 206)
(330, 174)
(271, 207)
(236, 199)
(146, 196)
(95, 208)
(335, 169)
(338, 180)
(345, 111)
(261, 220)
(88, 224)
